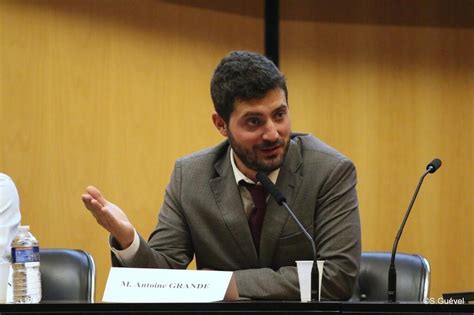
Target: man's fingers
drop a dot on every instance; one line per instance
(95, 193)
(92, 205)
(96, 206)
(107, 219)
(86, 199)
(111, 217)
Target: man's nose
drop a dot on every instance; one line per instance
(271, 132)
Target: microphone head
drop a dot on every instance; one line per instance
(434, 165)
(270, 187)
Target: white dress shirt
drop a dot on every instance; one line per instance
(244, 193)
(10, 216)
(127, 254)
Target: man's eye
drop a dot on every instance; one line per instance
(281, 114)
(253, 121)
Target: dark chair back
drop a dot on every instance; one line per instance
(413, 275)
(67, 275)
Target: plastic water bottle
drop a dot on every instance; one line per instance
(26, 263)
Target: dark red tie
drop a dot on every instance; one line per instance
(259, 197)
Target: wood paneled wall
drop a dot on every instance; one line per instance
(391, 84)
(110, 93)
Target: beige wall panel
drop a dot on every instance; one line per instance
(112, 92)
(108, 93)
(391, 85)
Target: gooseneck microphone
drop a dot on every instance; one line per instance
(432, 167)
(281, 200)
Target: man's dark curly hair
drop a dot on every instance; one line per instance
(243, 76)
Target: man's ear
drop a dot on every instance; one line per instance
(220, 124)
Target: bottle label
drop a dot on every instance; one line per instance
(25, 254)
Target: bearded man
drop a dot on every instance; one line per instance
(214, 209)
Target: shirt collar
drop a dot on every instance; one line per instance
(240, 176)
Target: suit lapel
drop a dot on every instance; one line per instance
(276, 216)
(227, 196)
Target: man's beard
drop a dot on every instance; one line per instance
(250, 157)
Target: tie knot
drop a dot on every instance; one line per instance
(258, 193)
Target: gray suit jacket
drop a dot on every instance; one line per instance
(203, 215)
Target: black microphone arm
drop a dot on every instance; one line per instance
(281, 200)
(432, 167)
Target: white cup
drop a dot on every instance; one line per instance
(4, 272)
(320, 273)
(304, 268)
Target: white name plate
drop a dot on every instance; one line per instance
(144, 285)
